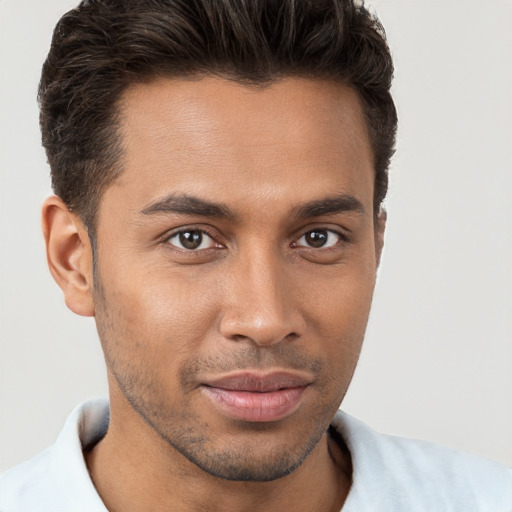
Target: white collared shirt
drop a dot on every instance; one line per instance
(390, 474)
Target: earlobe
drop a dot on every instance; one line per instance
(380, 228)
(69, 255)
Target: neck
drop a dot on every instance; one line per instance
(135, 469)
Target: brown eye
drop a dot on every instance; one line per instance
(316, 238)
(191, 240)
(319, 239)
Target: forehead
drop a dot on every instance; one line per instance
(216, 110)
(210, 134)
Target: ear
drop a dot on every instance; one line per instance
(69, 255)
(380, 228)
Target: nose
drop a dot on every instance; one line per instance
(261, 303)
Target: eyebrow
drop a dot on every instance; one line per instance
(330, 206)
(188, 205)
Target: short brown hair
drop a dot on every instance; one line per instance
(103, 46)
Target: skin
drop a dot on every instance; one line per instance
(260, 293)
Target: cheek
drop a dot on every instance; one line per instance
(155, 318)
(149, 333)
(338, 299)
(337, 307)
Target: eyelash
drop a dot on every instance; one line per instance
(342, 238)
(167, 240)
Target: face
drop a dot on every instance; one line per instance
(236, 259)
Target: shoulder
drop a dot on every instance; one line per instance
(393, 473)
(57, 479)
(31, 478)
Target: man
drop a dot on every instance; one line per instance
(219, 169)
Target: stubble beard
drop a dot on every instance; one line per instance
(189, 435)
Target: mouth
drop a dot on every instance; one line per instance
(257, 397)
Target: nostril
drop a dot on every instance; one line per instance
(260, 339)
(275, 322)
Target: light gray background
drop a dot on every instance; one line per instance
(437, 363)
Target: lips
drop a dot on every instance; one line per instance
(257, 397)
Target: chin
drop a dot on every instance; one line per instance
(263, 460)
(236, 467)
